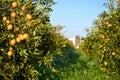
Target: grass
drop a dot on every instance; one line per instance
(80, 68)
(75, 65)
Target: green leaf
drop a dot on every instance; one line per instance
(23, 52)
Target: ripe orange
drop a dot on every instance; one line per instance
(102, 69)
(108, 39)
(9, 53)
(16, 30)
(4, 18)
(21, 13)
(10, 48)
(18, 39)
(104, 48)
(21, 36)
(28, 24)
(8, 21)
(113, 53)
(14, 4)
(28, 17)
(101, 46)
(102, 56)
(12, 42)
(10, 27)
(13, 14)
(105, 63)
(107, 23)
(101, 36)
(25, 35)
(23, 8)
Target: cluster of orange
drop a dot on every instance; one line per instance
(105, 62)
(103, 68)
(105, 49)
(101, 36)
(109, 24)
(10, 26)
(103, 56)
(20, 37)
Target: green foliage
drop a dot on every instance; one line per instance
(102, 44)
(60, 61)
(32, 49)
(79, 67)
(27, 39)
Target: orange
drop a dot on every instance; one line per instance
(8, 21)
(10, 48)
(25, 35)
(101, 36)
(105, 63)
(10, 27)
(23, 8)
(12, 42)
(18, 39)
(28, 24)
(102, 69)
(104, 48)
(16, 30)
(9, 53)
(109, 25)
(21, 36)
(108, 39)
(102, 56)
(4, 18)
(21, 13)
(28, 17)
(14, 4)
(13, 14)
(113, 53)
(101, 46)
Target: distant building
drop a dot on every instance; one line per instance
(76, 41)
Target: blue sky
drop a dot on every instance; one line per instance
(76, 15)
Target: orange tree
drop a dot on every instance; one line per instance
(27, 39)
(59, 60)
(103, 42)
